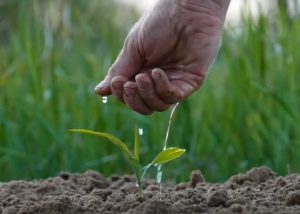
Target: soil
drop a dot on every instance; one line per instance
(257, 191)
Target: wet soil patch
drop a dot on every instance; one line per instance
(257, 191)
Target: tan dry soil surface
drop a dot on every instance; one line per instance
(257, 191)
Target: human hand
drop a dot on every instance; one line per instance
(166, 55)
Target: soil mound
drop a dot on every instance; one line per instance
(257, 191)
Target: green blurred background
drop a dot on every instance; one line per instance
(53, 53)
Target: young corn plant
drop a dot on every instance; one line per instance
(133, 158)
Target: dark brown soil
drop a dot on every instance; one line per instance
(257, 191)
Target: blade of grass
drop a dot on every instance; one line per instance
(136, 144)
(122, 146)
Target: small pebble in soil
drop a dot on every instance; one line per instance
(293, 198)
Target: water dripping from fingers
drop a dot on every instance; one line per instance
(159, 167)
(104, 100)
(169, 125)
(141, 131)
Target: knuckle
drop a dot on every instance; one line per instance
(169, 93)
(162, 108)
(119, 97)
(136, 105)
(144, 86)
(141, 110)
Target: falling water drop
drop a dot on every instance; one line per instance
(104, 100)
(141, 131)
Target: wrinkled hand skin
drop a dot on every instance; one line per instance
(166, 55)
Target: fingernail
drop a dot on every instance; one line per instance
(128, 91)
(100, 86)
(156, 74)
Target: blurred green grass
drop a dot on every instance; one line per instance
(53, 53)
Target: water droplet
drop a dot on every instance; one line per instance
(141, 131)
(104, 100)
(159, 177)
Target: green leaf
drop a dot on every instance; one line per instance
(168, 155)
(136, 144)
(122, 146)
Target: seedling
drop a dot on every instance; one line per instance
(163, 157)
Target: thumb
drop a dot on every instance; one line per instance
(126, 65)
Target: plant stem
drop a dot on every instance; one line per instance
(137, 171)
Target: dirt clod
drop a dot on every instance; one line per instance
(181, 186)
(237, 208)
(280, 182)
(217, 198)
(65, 176)
(259, 175)
(196, 177)
(293, 198)
(256, 191)
(157, 206)
(256, 175)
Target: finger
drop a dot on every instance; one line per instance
(117, 87)
(133, 99)
(148, 94)
(127, 65)
(164, 88)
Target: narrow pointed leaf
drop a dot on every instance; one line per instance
(136, 144)
(168, 155)
(122, 146)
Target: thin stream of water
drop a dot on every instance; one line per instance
(141, 132)
(159, 167)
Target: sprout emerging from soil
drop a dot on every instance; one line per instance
(163, 157)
